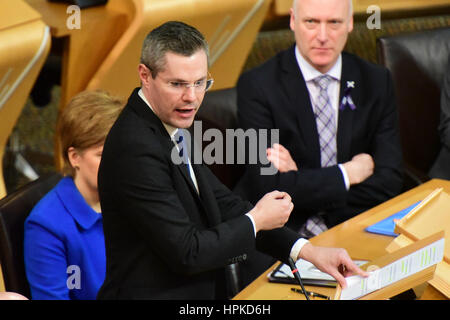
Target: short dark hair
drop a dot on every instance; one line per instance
(173, 36)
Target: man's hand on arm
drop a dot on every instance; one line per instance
(359, 168)
(281, 158)
(334, 261)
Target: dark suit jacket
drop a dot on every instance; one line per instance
(163, 240)
(274, 95)
(441, 166)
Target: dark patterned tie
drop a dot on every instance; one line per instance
(325, 121)
(183, 153)
(182, 147)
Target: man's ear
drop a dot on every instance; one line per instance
(350, 24)
(144, 74)
(292, 20)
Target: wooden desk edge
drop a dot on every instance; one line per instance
(432, 184)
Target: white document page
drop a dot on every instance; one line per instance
(417, 261)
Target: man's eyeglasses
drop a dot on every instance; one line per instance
(199, 86)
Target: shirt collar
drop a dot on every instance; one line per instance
(170, 129)
(75, 204)
(310, 73)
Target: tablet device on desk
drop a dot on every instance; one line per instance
(311, 276)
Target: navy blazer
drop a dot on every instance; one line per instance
(274, 96)
(441, 166)
(163, 239)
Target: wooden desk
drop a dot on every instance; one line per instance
(351, 236)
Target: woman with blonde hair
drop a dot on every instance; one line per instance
(64, 246)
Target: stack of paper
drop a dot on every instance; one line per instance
(415, 262)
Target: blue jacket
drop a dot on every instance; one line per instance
(64, 246)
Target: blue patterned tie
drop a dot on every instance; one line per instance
(183, 153)
(325, 121)
(182, 147)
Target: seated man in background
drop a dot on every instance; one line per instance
(64, 246)
(339, 152)
(170, 227)
(441, 167)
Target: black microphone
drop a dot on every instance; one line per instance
(296, 274)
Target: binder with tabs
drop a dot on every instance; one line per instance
(396, 272)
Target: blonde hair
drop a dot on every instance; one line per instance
(85, 122)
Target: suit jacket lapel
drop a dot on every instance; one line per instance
(187, 176)
(147, 114)
(208, 200)
(346, 116)
(204, 197)
(184, 167)
(296, 90)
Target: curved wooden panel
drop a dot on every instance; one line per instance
(13, 13)
(29, 40)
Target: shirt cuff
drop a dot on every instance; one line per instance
(344, 174)
(298, 245)
(253, 222)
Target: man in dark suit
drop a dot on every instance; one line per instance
(338, 152)
(170, 228)
(278, 95)
(441, 166)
